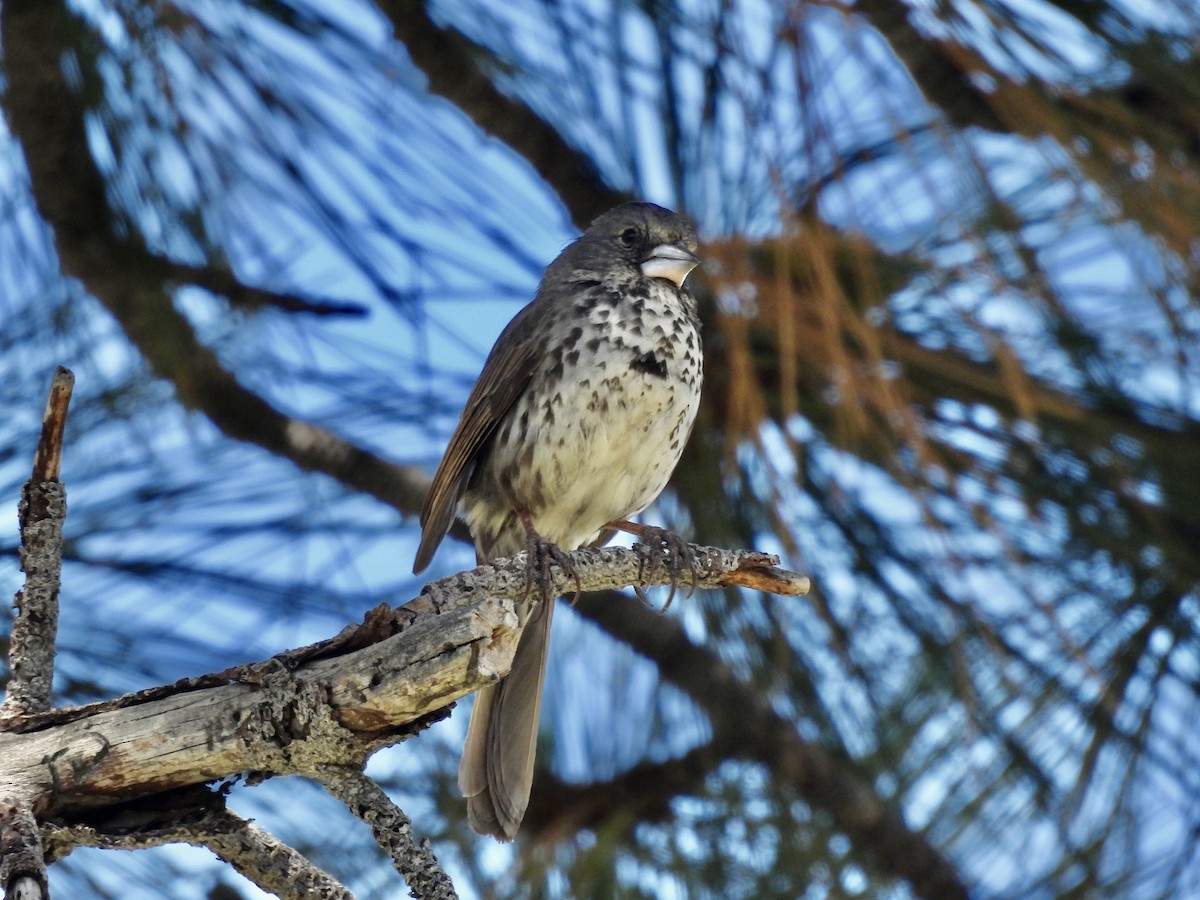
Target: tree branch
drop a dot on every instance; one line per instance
(559, 810)
(393, 832)
(941, 69)
(256, 854)
(268, 862)
(332, 703)
(22, 866)
(452, 63)
(41, 513)
(221, 280)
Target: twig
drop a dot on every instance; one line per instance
(22, 867)
(259, 856)
(610, 567)
(47, 461)
(270, 863)
(393, 832)
(222, 280)
(42, 511)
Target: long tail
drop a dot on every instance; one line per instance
(496, 770)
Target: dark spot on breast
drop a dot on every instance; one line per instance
(649, 364)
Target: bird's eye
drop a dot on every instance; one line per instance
(628, 237)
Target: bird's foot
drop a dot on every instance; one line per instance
(540, 557)
(658, 547)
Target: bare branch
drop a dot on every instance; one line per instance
(223, 281)
(270, 863)
(41, 513)
(333, 703)
(599, 569)
(47, 461)
(393, 832)
(256, 854)
(22, 866)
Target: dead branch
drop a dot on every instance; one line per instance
(269, 863)
(41, 513)
(393, 832)
(330, 704)
(22, 868)
(259, 856)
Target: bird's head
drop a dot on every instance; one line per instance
(638, 236)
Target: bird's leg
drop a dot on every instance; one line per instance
(540, 555)
(658, 546)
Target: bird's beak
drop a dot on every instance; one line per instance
(670, 261)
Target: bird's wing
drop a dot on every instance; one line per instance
(505, 376)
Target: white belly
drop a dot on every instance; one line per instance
(602, 441)
(615, 460)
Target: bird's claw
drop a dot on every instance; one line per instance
(541, 556)
(657, 546)
(641, 595)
